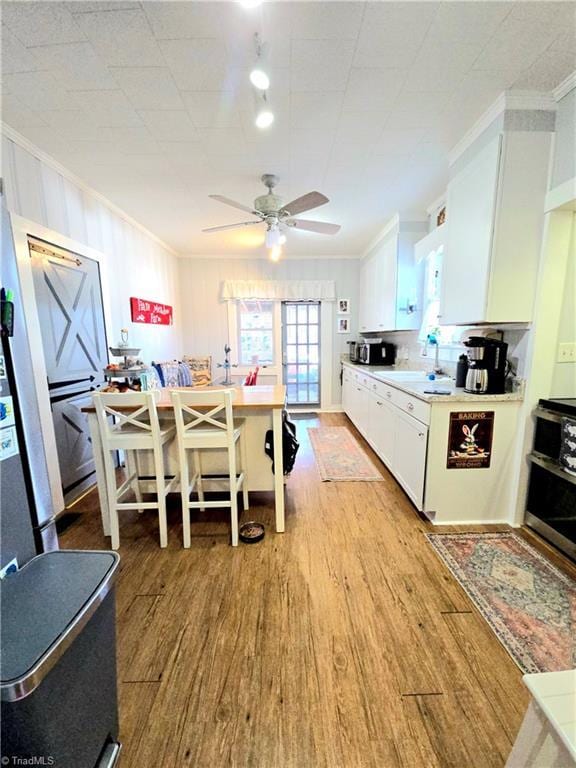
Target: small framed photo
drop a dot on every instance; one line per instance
(343, 306)
(343, 325)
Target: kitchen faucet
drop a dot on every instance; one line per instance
(432, 339)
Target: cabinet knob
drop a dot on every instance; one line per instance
(420, 434)
(410, 407)
(388, 394)
(378, 402)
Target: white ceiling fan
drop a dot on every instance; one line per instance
(278, 217)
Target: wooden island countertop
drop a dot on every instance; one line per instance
(268, 396)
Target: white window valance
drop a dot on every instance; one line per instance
(279, 290)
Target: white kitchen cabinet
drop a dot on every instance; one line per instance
(391, 281)
(411, 436)
(494, 230)
(381, 432)
(410, 445)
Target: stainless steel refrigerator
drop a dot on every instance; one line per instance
(27, 524)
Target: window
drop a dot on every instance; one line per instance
(445, 334)
(256, 332)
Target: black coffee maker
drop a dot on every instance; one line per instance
(486, 366)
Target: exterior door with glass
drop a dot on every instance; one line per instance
(301, 351)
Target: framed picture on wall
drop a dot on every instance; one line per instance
(343, 325)
(343, 306)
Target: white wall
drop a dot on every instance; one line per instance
(205, 319)
(137, 264)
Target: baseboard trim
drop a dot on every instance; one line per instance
(470, 522)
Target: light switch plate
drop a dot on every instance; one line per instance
(567, 352)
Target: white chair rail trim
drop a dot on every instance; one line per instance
(279, 290)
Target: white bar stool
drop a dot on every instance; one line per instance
(134, 426)
(201, 429)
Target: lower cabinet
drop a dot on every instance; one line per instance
(382, 429)
(398, 438)
(410, 456)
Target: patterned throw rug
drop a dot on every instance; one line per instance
(529, 603)
(339, 456)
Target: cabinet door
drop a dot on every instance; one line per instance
(384, 285)
(365, 298)
(361, 401)
(471, 206)
(382, 429)
(411, 438)
(346, 393)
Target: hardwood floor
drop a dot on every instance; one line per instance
(342, 643)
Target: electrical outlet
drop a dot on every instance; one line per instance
(9, 568)
(567, 352)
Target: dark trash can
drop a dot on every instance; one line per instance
(58, 661)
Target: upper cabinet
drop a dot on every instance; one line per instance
(391, 281)
(495, 215)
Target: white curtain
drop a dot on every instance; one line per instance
(280, 290)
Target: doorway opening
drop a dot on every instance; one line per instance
(301, 351)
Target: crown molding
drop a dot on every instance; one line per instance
(44, 157)
(508, 100)
(565, 87)
(260, 256)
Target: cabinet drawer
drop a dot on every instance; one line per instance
(412, 405)
(382, 390)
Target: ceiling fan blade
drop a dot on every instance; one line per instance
(233, 203)
(231, 226)
(323, 227)
(305, 203)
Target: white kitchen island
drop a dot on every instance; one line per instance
(452, 454)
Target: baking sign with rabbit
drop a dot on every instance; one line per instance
(470, 439)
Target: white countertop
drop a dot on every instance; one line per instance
(555, 694)
(417, 388)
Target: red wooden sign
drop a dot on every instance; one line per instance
(150, 312)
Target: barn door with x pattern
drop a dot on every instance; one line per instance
(69, 304)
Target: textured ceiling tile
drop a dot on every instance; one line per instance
(515, 44)
(167, 125)
(108, 108)
(359, 127)
(547, 71)
(197, 65)
(372, 89)
(71, 123)
(87, 6)
(121, 38)
(148, 87)
(212, 110)
(19, 116)
(324, 21)
(40, 90)
(187, 20)
(224, 141)
(398, 142)
(321, 65)
(468, 22)
(15, 56)
(441, 66)
(75, 66)
(39, 23)
(321, 110)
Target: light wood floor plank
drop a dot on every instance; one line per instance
(311, 649)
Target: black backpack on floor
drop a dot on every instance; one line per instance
(290, 444)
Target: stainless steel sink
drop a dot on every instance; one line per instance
(415, 376)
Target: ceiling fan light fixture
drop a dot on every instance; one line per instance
(276, 253)
(264, 119)
(260, 79)
(273, 238)
(282, 239)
